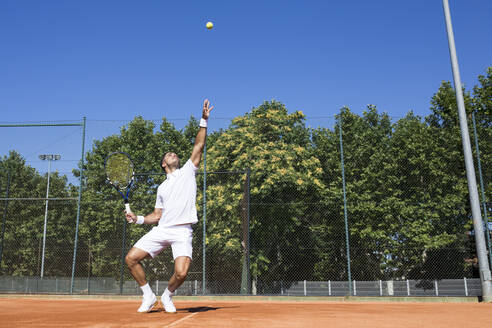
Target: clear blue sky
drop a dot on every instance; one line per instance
(113, 60)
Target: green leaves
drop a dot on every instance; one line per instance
(407, 197)
(285, 177)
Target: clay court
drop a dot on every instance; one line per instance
(26, 311)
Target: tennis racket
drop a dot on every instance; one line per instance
(119, 173)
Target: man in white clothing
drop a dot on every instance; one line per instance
(175, 212)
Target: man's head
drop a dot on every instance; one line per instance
(171, 161)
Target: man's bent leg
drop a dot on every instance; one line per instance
(132, 259)
(181, 267)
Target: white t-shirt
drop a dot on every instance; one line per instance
(177, 197)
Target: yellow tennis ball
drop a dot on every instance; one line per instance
(210, 25)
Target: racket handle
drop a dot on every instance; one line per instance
(127, 208)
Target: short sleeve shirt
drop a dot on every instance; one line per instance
(177, 197)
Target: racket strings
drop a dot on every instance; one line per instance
(119, 170)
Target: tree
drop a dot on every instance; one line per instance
(482, 103)
(433, 214)
(101, 230)
(285, 182)
(24, 221)
(366, 145)
(403, 205)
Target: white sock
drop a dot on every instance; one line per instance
(167, 292)
(147, 291)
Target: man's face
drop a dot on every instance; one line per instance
(170, 160)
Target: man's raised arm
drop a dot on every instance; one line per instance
(201, 136)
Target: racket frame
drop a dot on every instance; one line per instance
(126, 193)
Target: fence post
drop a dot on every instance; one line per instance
(329, 287)
(305, 291)
(436, 287)
(380, 288)
(246, 273)
(389, 285)
(78, 209)
(5, 214)
(345, 208)
(204, 241)
(355, 289)
(466, 286)
(122, 256)
(484, 205)
(408, 287)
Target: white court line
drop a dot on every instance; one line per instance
(182, 319)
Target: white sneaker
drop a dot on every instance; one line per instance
(148, 304)
(168, 303)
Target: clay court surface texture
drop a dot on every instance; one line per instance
(26, 311)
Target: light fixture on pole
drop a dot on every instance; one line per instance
(48, 158)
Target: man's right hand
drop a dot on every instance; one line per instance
(206, 109)
(131, 217)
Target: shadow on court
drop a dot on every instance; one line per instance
(204, 309)
(192, 309)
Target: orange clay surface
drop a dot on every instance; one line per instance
(39, 312)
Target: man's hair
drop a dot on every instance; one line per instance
(162, 160)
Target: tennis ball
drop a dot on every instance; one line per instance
(209, 25)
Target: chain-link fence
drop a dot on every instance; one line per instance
(296, 248)
(373, 222)
(30, 250)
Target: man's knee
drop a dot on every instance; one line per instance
(130, 260)
(134, 257)
(181, 274)
(181, 267)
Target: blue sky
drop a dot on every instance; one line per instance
(113, 60)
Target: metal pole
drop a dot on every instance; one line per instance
(248, 224)
(122, 257)
(345, 209)
(204, 244)
(5, 214)
(470, 170)
(78, 209)
(246, 275)
(45, 217)
(37, 125)
(484, 204)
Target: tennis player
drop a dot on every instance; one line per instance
(174, 212)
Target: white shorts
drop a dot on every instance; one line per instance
(179, 237)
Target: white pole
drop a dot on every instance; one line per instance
(389, 286)
(45, 216)
(483, 263)
(49, 158)
(305, 291)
